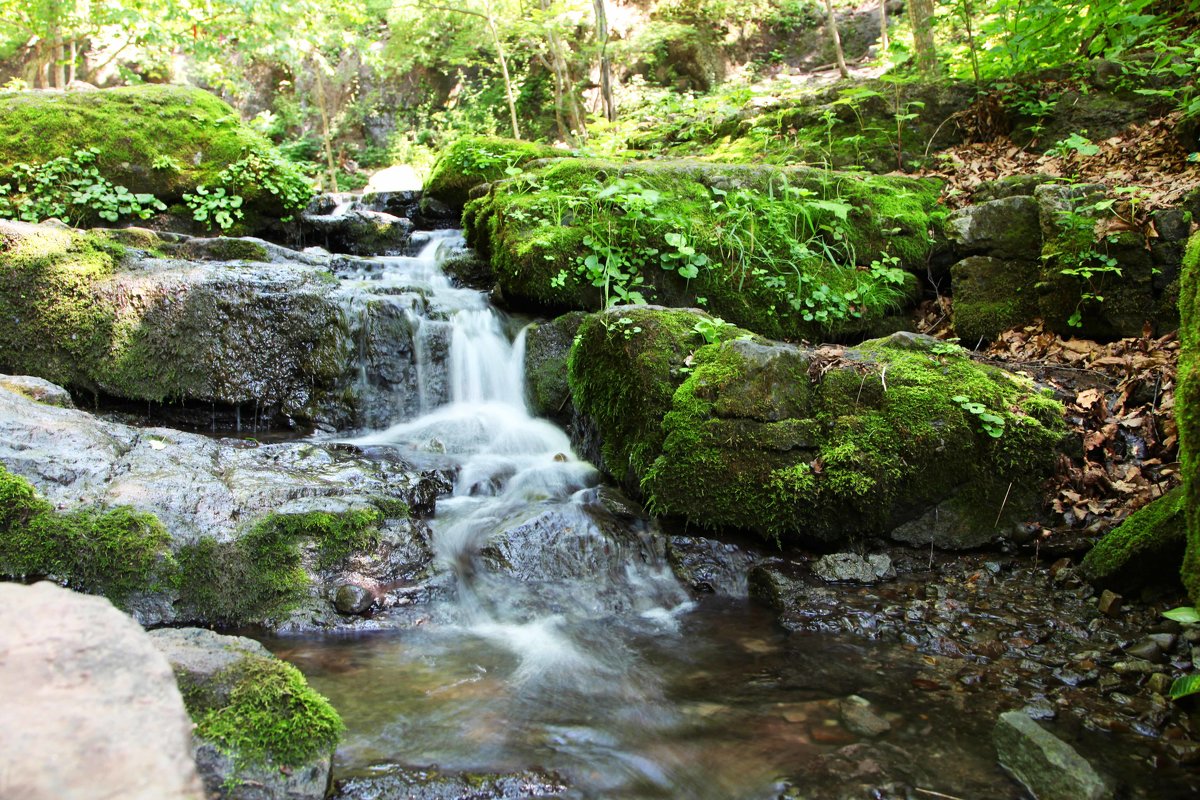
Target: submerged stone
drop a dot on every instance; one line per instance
(837, 567)
(1044, 764)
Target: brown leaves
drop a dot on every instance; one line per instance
(1119, 399)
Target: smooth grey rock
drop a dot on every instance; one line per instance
(358, 231)
(91, 708)
(837, 567)
(37, 389)
(351, 598)
(1044, 764)
(1007, 228)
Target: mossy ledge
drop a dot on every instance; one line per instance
(116, 552)
(785, 252)
(123, 553)
(1146, 548)
(728, 430)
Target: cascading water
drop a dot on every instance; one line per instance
(565, 643)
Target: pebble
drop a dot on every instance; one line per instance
(1147, 650)
(1165, 641)
(1159, 683)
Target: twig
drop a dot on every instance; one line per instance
(932, 793)
(860, 388)
(883, 378)
(1003, 503)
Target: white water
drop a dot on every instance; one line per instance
(520, 489)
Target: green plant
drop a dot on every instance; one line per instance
(1076, 144)
(70, 188)
(1184, 685)
(711, 329)
(214, 206)
(992, 424)
(1082, 257)
(165, 163)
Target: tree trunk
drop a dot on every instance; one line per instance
(920, 14)
(508, 90)
(564, 93)
(74, 60)
(884, 42)
(606, 92)
(837, 39)
(326, 133)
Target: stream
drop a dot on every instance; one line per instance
(564, 643)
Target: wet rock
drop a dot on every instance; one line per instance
(358, 231)
(1044, 764)
(1147, 650)
(38, 390)
(350, 598)
(1159, 683)
(860, 718)
(837, 567)
(432, 784)
(710, 566)
(1041, 710)
(238, 677)
(91, 708)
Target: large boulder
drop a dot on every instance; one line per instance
(1005, 228)
(156, 139)
(180, 527)
(991, 296)
(474, 160)
(904, 435)
(91, 708)
(785, 252)
(1044, 764)
(261, 732)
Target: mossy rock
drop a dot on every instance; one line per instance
(1187, 411)
(474, 160)
(1145, 549)
(118, 552)
(158, 139)
(788, 253)
(731, 431)
(271, 336)
(547, 350)
(991, 296)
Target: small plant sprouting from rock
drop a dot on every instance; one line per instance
(72, 189)
(992, 424)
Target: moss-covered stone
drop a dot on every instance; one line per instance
(1144, 549)
(784, 252)
(262, 712)
(116, 551)
(270, 336)
(158, 139)
(474, 160)
(1187, 410)
(991, 296)
(547, 350)
(731, 431)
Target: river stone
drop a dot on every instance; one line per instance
(91, 708)
(1044, 764)
(860, 718)
(351, 598)
(358, 231)
(852, 567)
(1007, 228)
(394, 782)
(37, 389)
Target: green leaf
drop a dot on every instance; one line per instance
(1183, 614)
(1184, 686)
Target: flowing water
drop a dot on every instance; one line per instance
(566, 643)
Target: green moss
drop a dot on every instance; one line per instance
(1187, 409)
(1145, 548)
(785, 252)
(133, 126)
(473, 160)
(265, 714)
(749, 439)
(115, 552)
(261, 573)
